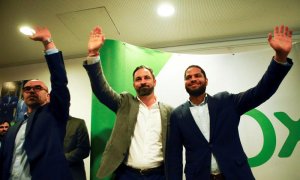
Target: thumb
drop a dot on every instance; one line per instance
(270, 37)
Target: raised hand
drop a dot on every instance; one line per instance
(41, 34)
(95, 42)
(281, 42)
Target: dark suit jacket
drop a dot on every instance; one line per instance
(225, 110)
(126, 107)
(76, 147)
(45, 131)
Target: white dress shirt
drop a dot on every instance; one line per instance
(146, 143)
(201, 116)
(20, 166)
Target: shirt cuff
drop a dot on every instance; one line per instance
(285, 63)
(51, 51)
(92, 60)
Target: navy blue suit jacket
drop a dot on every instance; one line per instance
(225, 110)
(45, 131)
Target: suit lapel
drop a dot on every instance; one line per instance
(133, 116)
(30, 120)
(164, 123)
(190, 119)
(212, 108)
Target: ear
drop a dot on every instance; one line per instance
(48, 97)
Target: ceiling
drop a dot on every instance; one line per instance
(136, 22)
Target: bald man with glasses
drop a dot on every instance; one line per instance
(33, 148)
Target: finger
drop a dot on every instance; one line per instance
(98, 29)
(281, 29)
(286, 30)
(270, 37)
(31, 37)
(93, 32)
(276, 30)
(290, 33)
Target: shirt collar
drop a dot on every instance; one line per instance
(154, 105)
(201, 104)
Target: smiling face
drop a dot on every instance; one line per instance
(143, 82)
(35, 93)
(195, 81)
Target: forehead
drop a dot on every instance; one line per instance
(4, 124)
(34, 83)
(193, 70)
(142, 72)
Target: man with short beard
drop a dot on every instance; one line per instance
(207, 126)
(4, 126)
(136, 148)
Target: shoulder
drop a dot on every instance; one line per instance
(166, 106)
(220, 95)
(75, 120)
(126, 96)
(181, 107)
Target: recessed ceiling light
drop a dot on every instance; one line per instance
(27, 30)
(165, 10)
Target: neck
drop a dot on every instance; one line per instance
(148, 100)
(197, 99)
(30, 110)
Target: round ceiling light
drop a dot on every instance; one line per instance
(165, 10)
(27, 30)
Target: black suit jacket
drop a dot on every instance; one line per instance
(45, 131)
(76, 146)
(225, 110)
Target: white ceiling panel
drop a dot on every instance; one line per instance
(136, 22)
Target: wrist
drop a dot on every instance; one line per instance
(93, 54)
(280, 59)
(47, 41)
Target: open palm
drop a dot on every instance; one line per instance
(96, 40)
(281, 42)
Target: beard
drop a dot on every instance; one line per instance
(196, 92)
(144, 91)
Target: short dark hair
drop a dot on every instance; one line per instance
(143, 67)
(195, 66)
(5, 121)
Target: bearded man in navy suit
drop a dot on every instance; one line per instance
(207, 126)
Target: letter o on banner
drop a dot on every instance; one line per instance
(269, 138)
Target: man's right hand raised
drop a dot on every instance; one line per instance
(96, 40)
(43, 34)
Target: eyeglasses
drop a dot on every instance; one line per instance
(36, 88)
